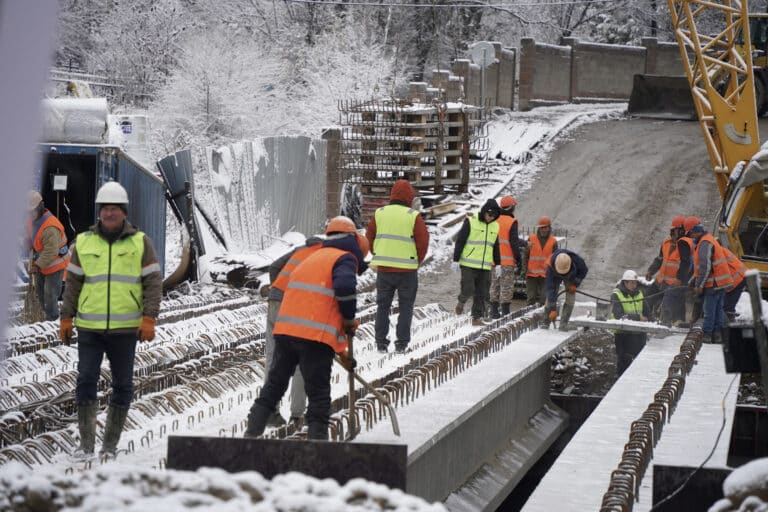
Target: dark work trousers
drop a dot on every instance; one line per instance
(536, 290)
(405, 284)
(120, 350)
(653, 297)
(673, 305)
(475, 284)
(628, 345)
(732, 298)
(48, 291)
(314, 360)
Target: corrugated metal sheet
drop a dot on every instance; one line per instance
(266, 187)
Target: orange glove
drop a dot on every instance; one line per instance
(147, 329)
(571, 288)
(350, 326)
(66, 330)
(552, 316)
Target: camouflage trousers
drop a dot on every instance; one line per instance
(503, 287)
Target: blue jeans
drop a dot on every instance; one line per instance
(405, 284)
(713, 310)
(48, 291)
(120, 350)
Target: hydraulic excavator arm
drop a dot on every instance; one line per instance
(722, 86)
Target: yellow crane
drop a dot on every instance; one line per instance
(722, 84)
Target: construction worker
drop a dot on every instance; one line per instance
(399, 241)
(50, 253)
(113, 293)
(673, 267)
(568, 268)
(738, 271)
(475, 251)
(279, 272)
(711, 278)
(541, 246)
(627, 303)
(503, 284)
(316, 318)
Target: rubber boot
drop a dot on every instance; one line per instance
(565, 315)
(257, 420)
(495, 310)
(505, 308)
(115, 421)
(86, 422)
(317, 431)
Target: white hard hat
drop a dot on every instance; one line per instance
(562, 263)
(629, 275)
(111, 193)
(33, 199)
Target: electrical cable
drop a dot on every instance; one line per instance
(712, 452)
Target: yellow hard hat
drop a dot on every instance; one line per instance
(562, 263)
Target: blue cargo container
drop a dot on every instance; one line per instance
(69, 175)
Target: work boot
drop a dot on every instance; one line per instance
(257, 420)
(717, 336)
(565, 315)
(86, 423)
(275, 420)
(296, 422)
(317, 431)
(401, 347)
(476, 322)
(495, 310)
(116, 417)
(505, 308)
(459, 308)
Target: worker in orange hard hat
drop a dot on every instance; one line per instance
(673, 267)
(503, 275)
(315, 320)
(568, 268)
(541, 245)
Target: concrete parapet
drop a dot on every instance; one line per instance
(545, 74)
(505, 96)
(662, 58)
(604, 71)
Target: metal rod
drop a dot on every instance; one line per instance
(382, 398)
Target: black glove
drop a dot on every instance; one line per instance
(350, 326)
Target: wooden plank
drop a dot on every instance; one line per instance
(439, 209)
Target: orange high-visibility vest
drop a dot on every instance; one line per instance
(670, 262)
(721, 274)
(736, 266)
(310, 309)
(281, 281)
(505, 244)
(539, 256)
(48, 220)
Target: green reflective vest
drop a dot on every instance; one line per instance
(112, 294)
(631, 305)
(478, 251)
(394, 245)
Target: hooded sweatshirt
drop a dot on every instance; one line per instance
(403, 193)
(490, 206)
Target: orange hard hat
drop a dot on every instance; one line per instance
(544, 221)
(678, 222)
(690, 222)
(507, 202)
(340, 224)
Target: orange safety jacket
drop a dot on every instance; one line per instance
(505, 246)
(539, 256)
(736, 266)
(720, 277)
(35, 232)
(281, 281)
(670, 262)
(309, 309)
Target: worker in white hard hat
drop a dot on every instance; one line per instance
(568, 268)
(113, 292)
(49, 253)
(627, 303)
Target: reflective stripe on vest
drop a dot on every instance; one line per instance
(670, 263)
(394, 245)
(281, 281)
(505, 246)
(309, 309)
(478, 251)
(48, 220)
(539, 256)
(631, 305)
(720, 277)
(736, 266)
(112, 296)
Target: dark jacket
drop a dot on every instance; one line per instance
(575, 275)
(403, 193)
(278, 264)
(617, 310)
(461, 239)
(345, 272)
